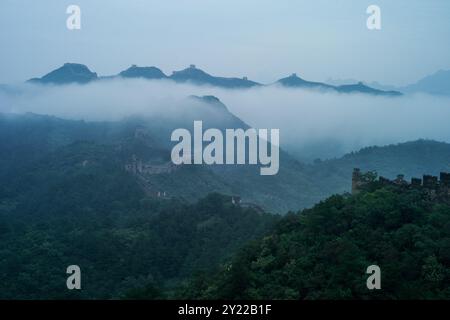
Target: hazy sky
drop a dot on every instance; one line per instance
(261, 39)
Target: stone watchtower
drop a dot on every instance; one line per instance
(356, 180)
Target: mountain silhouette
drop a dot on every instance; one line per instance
(79, 73)
(212, 101)
(295, 81)
(68, 73)
(437, 83)
(27, 139)
(198, 76)
(362, 88)
(143, 72)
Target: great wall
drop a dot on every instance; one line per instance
(137, 166)
(435, 187)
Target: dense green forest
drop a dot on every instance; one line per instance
(323, 252)
(78, 206)
(130, 246)
(151, 245)
(66, 198)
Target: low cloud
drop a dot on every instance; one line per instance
(107, 100)
(312, 124)
(317, 124)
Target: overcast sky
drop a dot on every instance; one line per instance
(261, 39)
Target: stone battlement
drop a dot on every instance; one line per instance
(438, 186)
(137, 166)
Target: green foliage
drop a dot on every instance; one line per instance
(65, 199)
(323, 252)
(137, 252)
(413, 159)
(78, 206)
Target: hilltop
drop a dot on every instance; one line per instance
(146, 141)
(68, 73)
(141, 147)
(120, 240)
(78, 73)
(323, 252)
(295, 81)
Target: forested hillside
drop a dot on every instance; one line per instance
(323, 252)
(122, 247)
(67, 197)
(412, 159)
(31, 143)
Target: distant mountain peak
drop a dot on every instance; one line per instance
(437, 83)
(360, 87)
(75, 66)
(210, 100)
(79, 73)
(68, 73)
(190, 72)
(295, 81)
(198, 76)
(294, 76)
(143, 72)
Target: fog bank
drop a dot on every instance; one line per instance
(312, 124)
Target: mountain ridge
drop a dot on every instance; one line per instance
(437, 83)
(25, 138)
(78, 73)
(68, 73)
(294, 81)
(324, 252)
